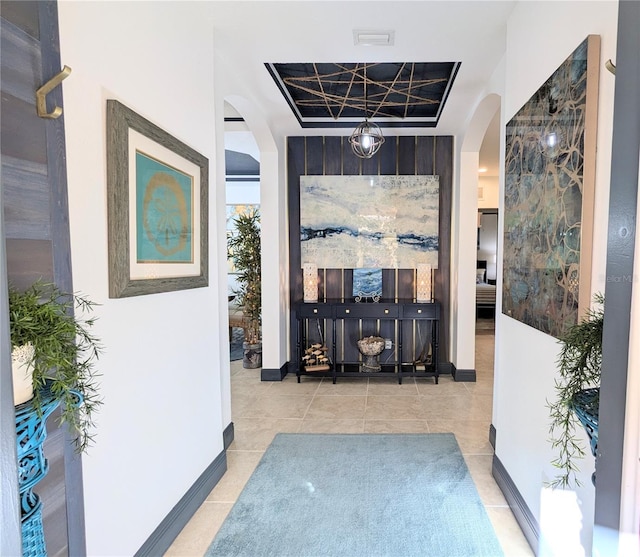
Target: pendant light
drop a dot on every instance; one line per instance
(367, 138)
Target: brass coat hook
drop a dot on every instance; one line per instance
(41, 94)
(610, 66)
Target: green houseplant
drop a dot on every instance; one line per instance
(579, 366)
(244, 251)
(63, 354)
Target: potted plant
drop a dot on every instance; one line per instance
(577, 392)
(55, 349)
(243, 249)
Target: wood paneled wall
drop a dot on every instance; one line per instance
(34, 190)
(406, 155)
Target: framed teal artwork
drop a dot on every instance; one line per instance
(164, 212)
(157, 208)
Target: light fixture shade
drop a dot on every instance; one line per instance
(310, 282)
(366, 139)
(423, 283)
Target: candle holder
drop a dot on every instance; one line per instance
(423, 283)
(310, 282)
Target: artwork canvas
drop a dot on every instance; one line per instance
(549, 183)
(164, 212)
(367, 284)
(369, 221)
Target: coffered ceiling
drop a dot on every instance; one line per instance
(253, 38)
(400, 94)
(464, 40)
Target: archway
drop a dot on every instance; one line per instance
(465, 240)
(274, 252)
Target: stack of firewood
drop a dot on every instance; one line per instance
(315, 358)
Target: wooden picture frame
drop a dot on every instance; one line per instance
(157, 189)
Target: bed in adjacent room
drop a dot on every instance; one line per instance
(485, 292)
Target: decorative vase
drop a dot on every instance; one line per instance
(371, 348)
(586, 405)
(252, 357)
(22, 370)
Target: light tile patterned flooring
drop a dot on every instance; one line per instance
(377, 405)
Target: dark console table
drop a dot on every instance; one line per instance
(410, 330)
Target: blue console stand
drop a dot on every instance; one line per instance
(31, 432)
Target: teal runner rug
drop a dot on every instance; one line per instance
(320, 495)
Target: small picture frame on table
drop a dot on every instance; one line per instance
(367, 284)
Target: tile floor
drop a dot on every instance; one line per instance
(377, 405)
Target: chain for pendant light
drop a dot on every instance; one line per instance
(367, 138)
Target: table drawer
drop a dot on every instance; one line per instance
(367, 311)
(314, 310)
(421, 311)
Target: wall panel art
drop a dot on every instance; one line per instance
(549, 183)
(369, 221)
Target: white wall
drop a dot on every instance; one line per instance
(490, 192)
(538, 41)
(161, 422)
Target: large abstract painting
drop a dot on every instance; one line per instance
(369, 221)
(549, 182)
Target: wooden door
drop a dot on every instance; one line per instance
(34, 192)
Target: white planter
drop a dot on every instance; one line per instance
(22, 369)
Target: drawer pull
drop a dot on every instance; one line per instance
(315, 310)
(419, 311)
(386, 311)
(347, 311)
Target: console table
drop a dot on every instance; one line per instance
(410, 330)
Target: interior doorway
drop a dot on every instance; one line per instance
(487, 233)
(242, 187)
(486, 270)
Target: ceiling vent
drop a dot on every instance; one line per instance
(373, 38)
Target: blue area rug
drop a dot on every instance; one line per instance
(320, 495)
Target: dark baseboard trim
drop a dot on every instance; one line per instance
(167, 531)
(463, 374)
(492, 436)
(227, 436)
(524, 517)
(446, 368)
(274, 374)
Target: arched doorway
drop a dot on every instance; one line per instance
(274, 244)
(466, 241)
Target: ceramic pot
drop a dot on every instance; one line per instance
(252, 357)
(371, 348)
(22, 370)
